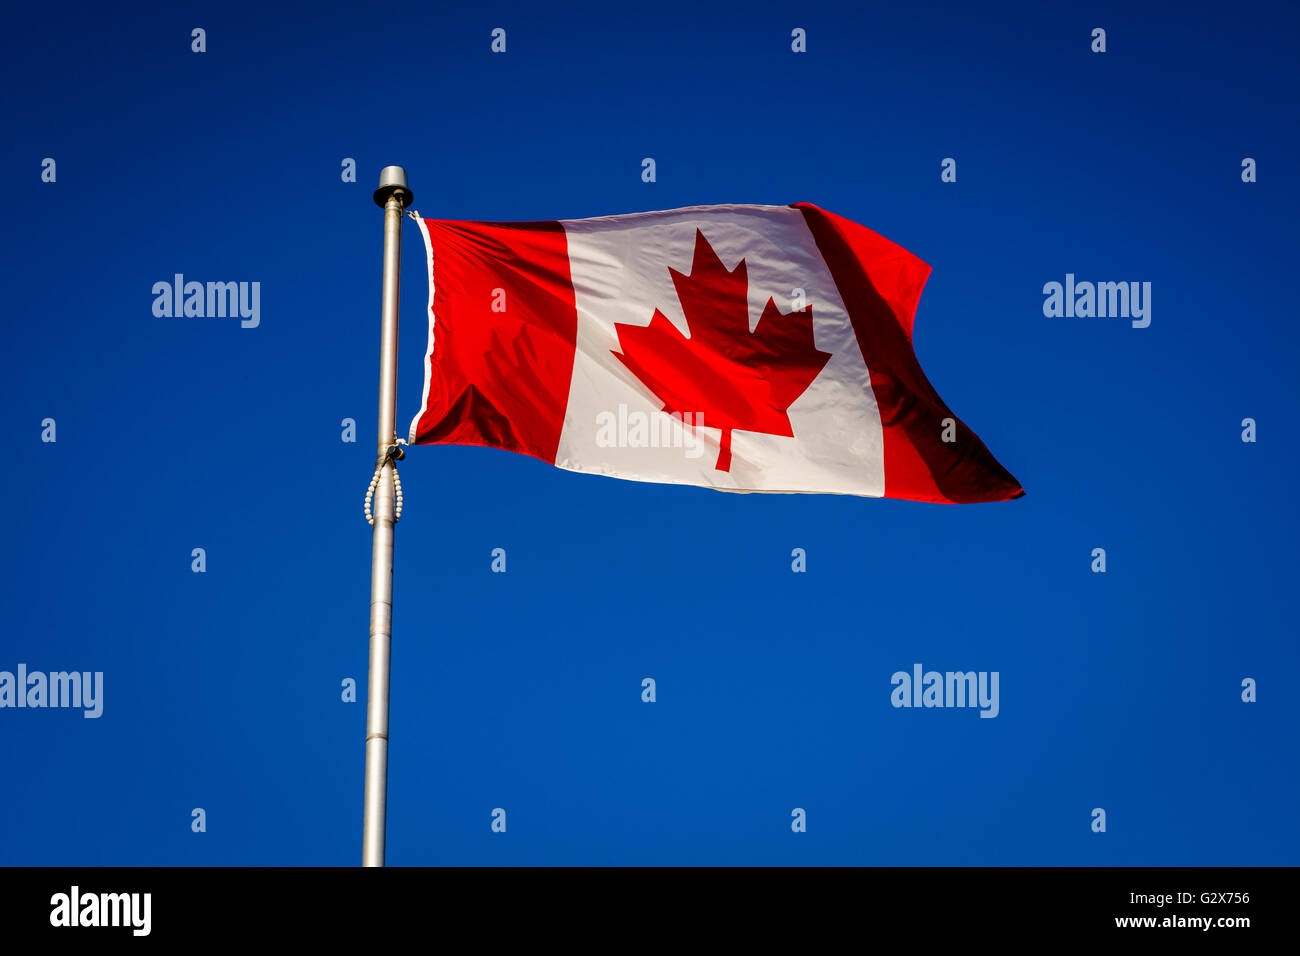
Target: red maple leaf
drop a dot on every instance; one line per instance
(731, 377)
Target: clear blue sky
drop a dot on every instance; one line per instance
(522, 691)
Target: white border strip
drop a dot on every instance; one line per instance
(428, 355)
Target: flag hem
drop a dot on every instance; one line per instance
(428, 354)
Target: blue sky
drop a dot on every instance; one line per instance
(522, 691)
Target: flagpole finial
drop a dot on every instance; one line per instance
(392, 182)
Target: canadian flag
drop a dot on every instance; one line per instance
(744, 348)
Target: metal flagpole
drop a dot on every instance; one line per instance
(394, 196)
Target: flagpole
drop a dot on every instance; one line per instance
(393, 195)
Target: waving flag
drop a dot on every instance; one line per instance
(744, 348)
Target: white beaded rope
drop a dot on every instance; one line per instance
(397, 491)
